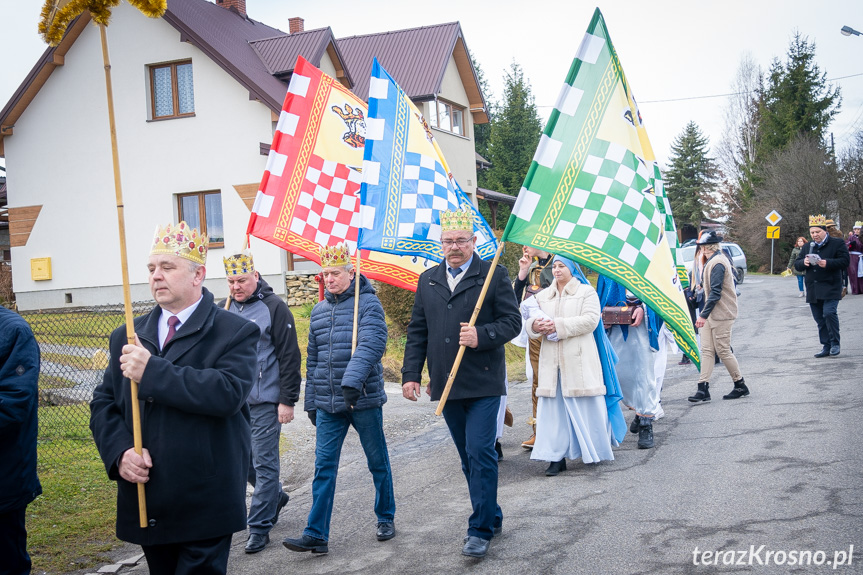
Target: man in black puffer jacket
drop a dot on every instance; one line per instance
(19, 485)
(343, 390)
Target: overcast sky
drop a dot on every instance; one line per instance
(669, 49)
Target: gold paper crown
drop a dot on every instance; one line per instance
(456, 220)
(181, 241)
(335, 256)
(239, 264)
(858, 224)
(818, 220)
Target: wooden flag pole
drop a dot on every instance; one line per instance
(124, 264)
(356, 303)
(473, 317)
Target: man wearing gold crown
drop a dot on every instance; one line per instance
(824, 260)
(445, 299)
(345, 390)
(855, 251)
(194, 364)
(276, 388)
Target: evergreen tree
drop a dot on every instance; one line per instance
(515, 132)
(691, 178)
(797, 99)
(482, 132)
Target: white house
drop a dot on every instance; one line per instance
(196, 96)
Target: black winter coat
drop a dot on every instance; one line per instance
(19, 380)
(824, 283)
(195, 424)
(329, 363)
(433, 332)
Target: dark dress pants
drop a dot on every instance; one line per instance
(827, 317)
(473, 425)
(14, 559)
(204, 557)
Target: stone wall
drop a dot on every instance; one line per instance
(301, 288)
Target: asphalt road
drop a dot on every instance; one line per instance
(774, 478)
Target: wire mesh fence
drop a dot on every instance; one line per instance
(74, 348)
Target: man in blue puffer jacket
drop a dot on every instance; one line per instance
(19, 485)
(343, 390)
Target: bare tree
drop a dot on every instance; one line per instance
(851, 183)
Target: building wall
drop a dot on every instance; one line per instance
(458, 150)
(60, 158)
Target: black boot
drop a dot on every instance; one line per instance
(633, 427)
(703, 393)
(740, 390)
(556, 467)
(645, 434)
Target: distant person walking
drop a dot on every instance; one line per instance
(801, 241)
(716, 319)
(855, 252)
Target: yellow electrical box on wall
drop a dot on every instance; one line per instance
(40, 269)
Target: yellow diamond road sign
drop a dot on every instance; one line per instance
(773, 217)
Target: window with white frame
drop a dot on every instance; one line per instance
(172, 90)
(446, 116)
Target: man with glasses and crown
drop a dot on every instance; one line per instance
(824, 260)
(343, 390)
(276, 388)
(194, 364)
(445, 299)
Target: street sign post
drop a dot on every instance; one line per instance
(772, 218)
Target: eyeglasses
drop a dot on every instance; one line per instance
(460, 242)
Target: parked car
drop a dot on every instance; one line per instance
(738, 258)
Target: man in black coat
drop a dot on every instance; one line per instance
(195, 364)
(823, 260)
(445, 299)
(19, 484)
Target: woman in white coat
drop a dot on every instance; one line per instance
(572, 417)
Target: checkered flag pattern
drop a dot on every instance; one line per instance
(406, 180)
(610, 208)
(426, 192)
(594, 192)
(327, 210)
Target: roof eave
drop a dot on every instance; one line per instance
(187, 34)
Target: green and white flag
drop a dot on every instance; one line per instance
(592, 192)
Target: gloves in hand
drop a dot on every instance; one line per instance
(351, 395)
(313, 417)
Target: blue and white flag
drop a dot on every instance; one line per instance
(406, 180)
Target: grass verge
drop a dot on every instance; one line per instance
(72, 522)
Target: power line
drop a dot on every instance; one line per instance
(720, 95)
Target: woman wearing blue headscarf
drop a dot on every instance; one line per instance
(574, 418)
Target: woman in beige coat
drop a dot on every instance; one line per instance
(572, 418)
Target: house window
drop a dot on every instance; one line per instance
(172, 92)
(446, 116)
(203, 210)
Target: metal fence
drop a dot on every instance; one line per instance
(74, 348)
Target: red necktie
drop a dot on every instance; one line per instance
(173, 321)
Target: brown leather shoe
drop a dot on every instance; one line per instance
(529, 443)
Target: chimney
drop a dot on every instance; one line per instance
(238, 6)
(295, 25)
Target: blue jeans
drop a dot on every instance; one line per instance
(331, 431)
(827, 319)
(800, 282)
(473, 425)
(264, 467)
